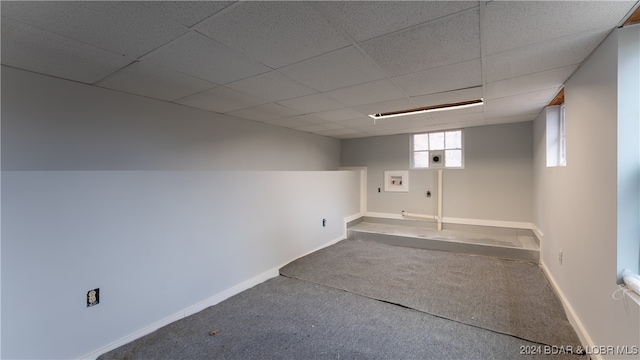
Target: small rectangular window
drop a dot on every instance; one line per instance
(442, 149)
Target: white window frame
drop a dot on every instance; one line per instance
(562, 151)
(461, 148)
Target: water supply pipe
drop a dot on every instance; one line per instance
(438, 217)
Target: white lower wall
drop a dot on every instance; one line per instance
(155, 243)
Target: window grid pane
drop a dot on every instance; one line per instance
(421, 159)
(421, 142)
(453, 139)
(436, 141)
(453, 158)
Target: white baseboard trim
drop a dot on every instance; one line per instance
(462, 221)
(384, 215)
(582, 333)
(186, 312)
(215, 299)
(493, 223)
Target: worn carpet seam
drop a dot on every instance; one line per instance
(424, 312)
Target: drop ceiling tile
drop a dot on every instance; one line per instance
(512, 119)
(529, 83)
(338, 69)
(199, 56)
(222, 100)
(266, 112)
(271, 86)
(357, 17)
(523, 104)
(155, 82)
(547, 55)
(338, 132)
(27, 47)
(275, 33)
(187, 13)
(446, 78)
(312, 103)
(442, 42)
(357, 123)
(320, 127)
(351, 136)
(371, 92)
(297, 121)
(448, 97)
(119, 26)
(384, 106)
(452, 124)
(479, 109)
(510, 24)
(338, 115)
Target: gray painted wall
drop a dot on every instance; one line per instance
(496, 183)
(62, 125)
(576, 207)
(136, 197)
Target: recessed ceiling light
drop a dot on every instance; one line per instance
(428, 109)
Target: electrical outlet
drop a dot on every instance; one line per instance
(560, 256)
(93, 297)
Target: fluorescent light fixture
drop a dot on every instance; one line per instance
(428, 109)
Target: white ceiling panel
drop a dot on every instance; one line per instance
(199, 56)
(155, 81)
(511, 119)
(556, 53)
(341, 68)
(187, 13)
(27, 47)
(357, 17)
(266, 112)
(385, 106)
(222, 100)
(119, 26)
(517, 105)
(297, 121)
(357, 123)
(512, 24)
(446, 78)
(275, 33)
(320, 127)
(312, 103)
(456, 113)
(452, 39)
(338, 132)
(529, 83)
(448, 97)
(371, 92)
(338, 114)
(306, 64)
(272, 86)
(470, 120)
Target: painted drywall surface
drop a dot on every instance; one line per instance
(153, 242)
(61, 125)
(144, 200)
(494, 185)
(576, 207)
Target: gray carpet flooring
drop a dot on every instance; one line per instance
(504, 296)
(287, 318)
(284, 318)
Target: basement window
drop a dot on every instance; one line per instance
(435, 150)
(556, 137)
